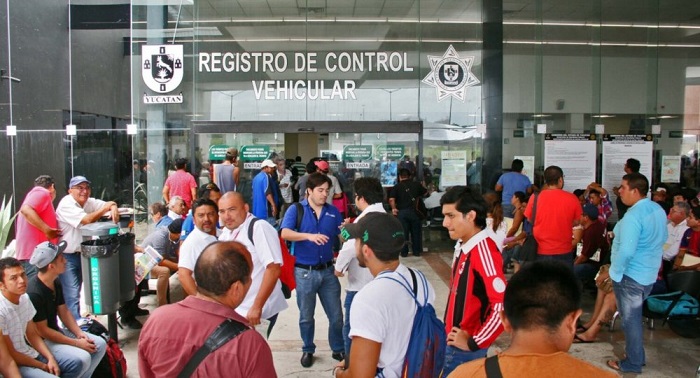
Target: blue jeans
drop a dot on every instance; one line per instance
(325, 284)
(630, 296)
(412, 225)
(69, 356)
(455, 357)
(507, 208)
(349, 296)
(71, 280)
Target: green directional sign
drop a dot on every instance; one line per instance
(254, 153)
(357, 153)
(217, 151)
(391, 151)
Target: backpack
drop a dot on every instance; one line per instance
(287, 270)
(426, 347)
(113, 364)
(673, 304)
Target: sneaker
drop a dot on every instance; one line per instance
(132, 323)
(141, 312)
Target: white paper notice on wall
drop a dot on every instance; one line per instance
(481, 128)
(656, 129)
(600, 129)
(541, 128)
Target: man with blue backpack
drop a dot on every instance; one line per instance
(383, 310)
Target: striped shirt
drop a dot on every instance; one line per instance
(476, 291)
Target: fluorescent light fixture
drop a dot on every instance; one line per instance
(11, 130)
(131, 129)
(71, 130)
(667, 117)
(541, 115)
(603, 116)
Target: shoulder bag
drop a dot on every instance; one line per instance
(224, 332)
(528, 251)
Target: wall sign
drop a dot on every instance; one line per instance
(162, 72)
(451, 75)
(255, 153)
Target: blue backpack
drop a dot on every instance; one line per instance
(426, 347)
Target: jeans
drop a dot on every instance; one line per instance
(325, 284)
(412, 225)
(349, 296)
(73, 361)
(71, 280)
(29, 269)
(565, 258)
(507, 208)
(455, 357)
(586, 272)
(630, 296)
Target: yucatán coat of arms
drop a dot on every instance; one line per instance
(161, 67)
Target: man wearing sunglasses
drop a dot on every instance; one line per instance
(75, 210)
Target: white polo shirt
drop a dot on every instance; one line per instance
(69, 214)
(192, 247)
(265, 251)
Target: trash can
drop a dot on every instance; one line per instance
(100, 261)
(127, 282)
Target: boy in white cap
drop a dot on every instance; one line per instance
(46, 295)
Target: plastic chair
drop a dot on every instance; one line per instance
(687, 282)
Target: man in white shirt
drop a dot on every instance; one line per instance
(676, 226)
(176, 208)
(383, 309)
(75, 210)
(205, 216)
(264, 299)
(369, 195)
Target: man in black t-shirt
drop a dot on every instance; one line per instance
(402, 198)
(46, 294)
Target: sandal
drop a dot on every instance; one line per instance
(581, 329)
(615, 365)
(578, 340)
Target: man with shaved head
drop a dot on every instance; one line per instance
(265, 299)
(173, 333)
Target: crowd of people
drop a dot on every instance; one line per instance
(227, 252)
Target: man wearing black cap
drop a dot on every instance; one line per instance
(595, 249)
(166, 241)
(83, 350)
(382, 310)
(75, 210)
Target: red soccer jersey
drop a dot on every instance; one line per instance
(476, 292)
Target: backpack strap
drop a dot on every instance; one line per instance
(415, 282)
(250, 230)
(493, 369)
(300, 216)
(224, 332)
(414, 291)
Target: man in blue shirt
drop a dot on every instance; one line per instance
(511, 182)
(636, 257)
(264, 206)
(313, 270)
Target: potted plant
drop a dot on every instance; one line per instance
(6, 220)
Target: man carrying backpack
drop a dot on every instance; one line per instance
(383, 310)
(472, 319)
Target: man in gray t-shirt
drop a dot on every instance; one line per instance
(165, 240)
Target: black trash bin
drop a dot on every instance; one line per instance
(100, 261)
(127, 282)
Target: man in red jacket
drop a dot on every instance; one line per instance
(472, 320)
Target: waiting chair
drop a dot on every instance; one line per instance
(687, 282)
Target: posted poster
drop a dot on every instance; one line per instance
(575, 154)
(671, 169)
(528, 166)
(616, 150)
(388, 176)
(454, 168)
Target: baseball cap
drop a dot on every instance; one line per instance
(77, 180)
(176, 226)
(381, 231)
(268, 163)
(322, 165)
(591, 211)
(46, 252)
(660, 189)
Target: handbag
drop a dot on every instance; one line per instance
(528, 251)
(418, 205)
(224, 332)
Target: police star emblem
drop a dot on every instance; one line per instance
(451, 75)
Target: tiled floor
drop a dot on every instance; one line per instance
(668, 355)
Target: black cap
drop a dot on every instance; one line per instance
(175, 226)
(380, 231)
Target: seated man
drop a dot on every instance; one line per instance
(595, 249)
(159, 213)
(541, 306)
(166, 241)
(46, 295)
(33, 356)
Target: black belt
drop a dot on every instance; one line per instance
(320, 266)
